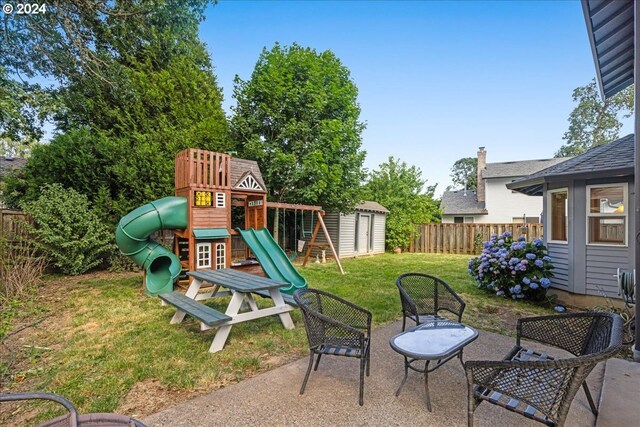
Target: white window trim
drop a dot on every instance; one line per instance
(548, 218)
(221, 197)
(224, 255)
(208, 264)
(625, 202)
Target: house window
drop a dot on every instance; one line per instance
(203, 259)
(607, 214)
(557, 216)
(458, 220)
(468, 220)
(220, 200)
(220, 256)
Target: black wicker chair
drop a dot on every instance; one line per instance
(423, 296)
(336, 327)
(535, 385)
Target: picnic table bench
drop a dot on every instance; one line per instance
(241, 287)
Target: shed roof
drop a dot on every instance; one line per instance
(10, 163)
(610, 160)
(610, 29)
(463, 202)
(241, 167)
(518, 168)
(372, 207)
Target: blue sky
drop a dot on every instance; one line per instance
(436, 80)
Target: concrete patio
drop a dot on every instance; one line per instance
(331, 397)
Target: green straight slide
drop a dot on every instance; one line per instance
(132, 237)
(272, 258)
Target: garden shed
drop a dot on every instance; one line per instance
(359, 233)
(587, 206)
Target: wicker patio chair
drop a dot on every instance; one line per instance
(536, 385)
(336, 327)
(72, 419)
(423, 296)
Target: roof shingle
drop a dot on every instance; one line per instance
(461, 202)
(616, 158)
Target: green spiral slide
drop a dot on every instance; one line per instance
(132, 237)
(272, 258)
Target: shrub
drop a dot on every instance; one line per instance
(21, 270)
(67, 230)
(520, 269)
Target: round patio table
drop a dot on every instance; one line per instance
(437, 340)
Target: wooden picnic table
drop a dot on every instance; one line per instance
(241, 287)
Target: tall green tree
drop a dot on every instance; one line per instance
(594, 121)
(298, 116)
(464, 173)
(401, 189)
(140, 89)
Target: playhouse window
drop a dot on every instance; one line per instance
(204, 255)
(220, 256)
(607, 214)
(557, 217)
(203, 198)
(220, 200)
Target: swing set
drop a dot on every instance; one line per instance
(312, 231)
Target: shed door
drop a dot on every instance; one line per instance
(363, 234)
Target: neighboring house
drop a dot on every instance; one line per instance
(493, 202)
(359, 233)
(8, 164)
(586, 217)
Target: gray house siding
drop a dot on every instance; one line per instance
(343, 231)
(379, 233)
(588, 269)
(602, 262)
(332, 222)
(559, 255)
(347, 235)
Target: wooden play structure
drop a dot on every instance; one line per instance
(213, 184)
(220, 201)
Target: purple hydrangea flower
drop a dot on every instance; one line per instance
(539, 263)
(545, 282)
(531, 256)
(533, 285)
(506, 234)
(526, 280)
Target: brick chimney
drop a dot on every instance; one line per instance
(482, 165)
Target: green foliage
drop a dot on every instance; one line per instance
(67, 230)
(140, 89)
(298, 116)
(464, 173)
(399, 188)
(593, 121)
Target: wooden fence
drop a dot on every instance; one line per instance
(11, 225)
(464, 238)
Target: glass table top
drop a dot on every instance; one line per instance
(434, 339)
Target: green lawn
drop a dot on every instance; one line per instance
(104, 335)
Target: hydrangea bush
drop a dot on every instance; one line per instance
(513, 269)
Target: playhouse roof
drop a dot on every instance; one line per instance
(240, 168)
